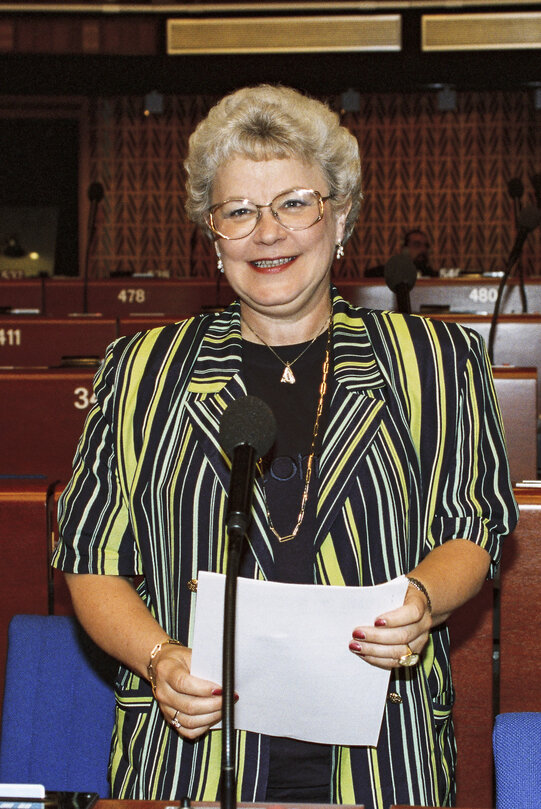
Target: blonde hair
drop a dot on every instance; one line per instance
(268, 122)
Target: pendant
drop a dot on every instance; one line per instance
(288, 375)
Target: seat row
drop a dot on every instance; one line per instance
(495, 645)
(42, 413)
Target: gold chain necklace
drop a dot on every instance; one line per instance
(287, 375)
(310, 463)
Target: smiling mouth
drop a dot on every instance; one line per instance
(272, 264)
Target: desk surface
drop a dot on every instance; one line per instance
(108, 804)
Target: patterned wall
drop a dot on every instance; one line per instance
(446, 172)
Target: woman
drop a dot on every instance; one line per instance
(389, 460)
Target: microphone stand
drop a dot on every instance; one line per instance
(237, 524)
(95, 195)
(228, 784)
(528, 221)
(511, 261)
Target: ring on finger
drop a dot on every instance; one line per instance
(174, 721)
(409, 659)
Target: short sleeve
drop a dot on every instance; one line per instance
(476, 499)
(95, 534)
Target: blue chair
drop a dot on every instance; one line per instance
(59, 707)
(517, 760)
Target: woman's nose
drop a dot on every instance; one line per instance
(268, 228)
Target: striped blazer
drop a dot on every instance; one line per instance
(413, 455)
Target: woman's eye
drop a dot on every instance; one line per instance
(293, 202)
(238, 213)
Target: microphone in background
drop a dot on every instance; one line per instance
(95, 195)
(400, 275)
(528, 219)
(247, 432)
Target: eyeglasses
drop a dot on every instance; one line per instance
(296, 209)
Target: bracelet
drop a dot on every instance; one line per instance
(420, 586)
(150, 667)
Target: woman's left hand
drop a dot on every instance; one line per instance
(395, 634)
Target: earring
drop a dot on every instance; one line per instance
(339, 250)
(219, 263)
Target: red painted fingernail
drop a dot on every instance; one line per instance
(217, 692)
(380, 622)
(358, 633)
(236, 698)
(355, 647)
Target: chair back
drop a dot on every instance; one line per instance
(517, 760)
(58, 709)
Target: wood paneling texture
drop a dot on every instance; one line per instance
(519, 606)
(446, 172)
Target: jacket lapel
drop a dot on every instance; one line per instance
(356, 412)
(215, 382)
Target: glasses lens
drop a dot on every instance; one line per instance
(297, 209)
(235, 218)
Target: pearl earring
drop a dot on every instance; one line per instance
(339, 250)
(220, 264)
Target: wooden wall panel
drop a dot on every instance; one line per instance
(446, 172)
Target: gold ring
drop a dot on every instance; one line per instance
(174, 721)
(409, 659)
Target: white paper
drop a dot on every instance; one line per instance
(35, 791)
(294, 672)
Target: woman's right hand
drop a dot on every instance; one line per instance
(189, 704)
(114, 615)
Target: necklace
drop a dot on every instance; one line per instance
(287, 375)
(310, 463)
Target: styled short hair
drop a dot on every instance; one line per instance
(268, 122)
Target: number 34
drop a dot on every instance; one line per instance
(83, 398)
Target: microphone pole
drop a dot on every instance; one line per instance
(247, 431)
(400, 275)
(528, 220)
(95, 195)
(515, 189)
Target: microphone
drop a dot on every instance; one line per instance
(400, 275)
(95, 192)
(247, 431)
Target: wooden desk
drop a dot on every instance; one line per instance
(463, 294)
(109, 804)
(517, 339)
(42, 414)
(520, 597)
(516, 389)
(121, 297)
(118, 296)
(472, 628)
(43, 341)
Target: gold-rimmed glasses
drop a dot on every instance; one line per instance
(295, 209)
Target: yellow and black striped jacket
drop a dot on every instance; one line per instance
(413, 455)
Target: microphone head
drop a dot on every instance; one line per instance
(400, 269)
(529, 218)
(515, 187)
(95, 192)
(248, 421)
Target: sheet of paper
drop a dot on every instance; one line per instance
(294, 673)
